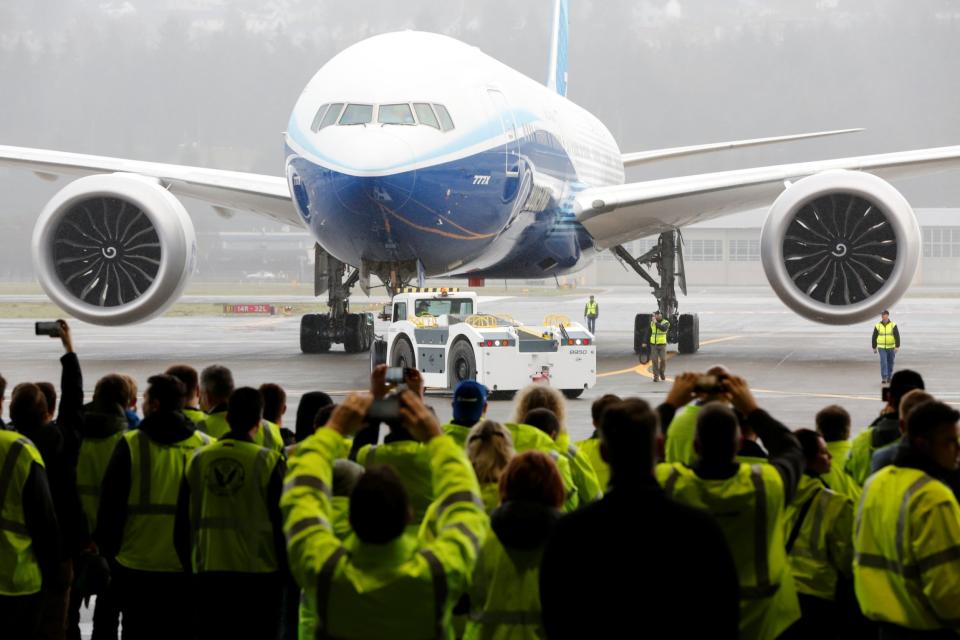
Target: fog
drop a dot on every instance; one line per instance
(212, 82)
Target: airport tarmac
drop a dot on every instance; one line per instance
(794, 365)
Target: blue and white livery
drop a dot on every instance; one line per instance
(412, 154)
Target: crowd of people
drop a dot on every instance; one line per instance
(212, 517)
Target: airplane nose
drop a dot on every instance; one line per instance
(383, 163)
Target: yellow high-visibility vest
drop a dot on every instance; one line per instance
(229, 515)
(656, 335)
(906, 567)
(749, 508)
(19, 570)
(885, 339)
(155, 474)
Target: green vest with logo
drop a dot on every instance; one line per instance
(19, 571)
(229, 516)
(155, 474)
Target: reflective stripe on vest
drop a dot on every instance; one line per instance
(656, 335)
(156, 470)
(229, 515)
(892, 577)
(95, 454)
(885, 337)
(764, 587)
(19, 570)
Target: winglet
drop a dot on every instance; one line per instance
(557, 69)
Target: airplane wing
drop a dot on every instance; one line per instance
(639, 157)
(620, 213)
(224, 190)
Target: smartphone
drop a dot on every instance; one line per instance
(394, 375)
(48, 329)
(885, 393)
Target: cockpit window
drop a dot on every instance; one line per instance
(357, 114)
(317, 119)
(425, 115)
(395, 114)
(445, 120)
(331, 115)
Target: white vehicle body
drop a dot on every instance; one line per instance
(451, 340)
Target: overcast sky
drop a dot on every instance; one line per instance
(212, 82)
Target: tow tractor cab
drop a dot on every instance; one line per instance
(442, 333)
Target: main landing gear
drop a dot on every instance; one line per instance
(318, 331)
(667, 256)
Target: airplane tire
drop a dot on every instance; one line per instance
(312, 327)
(355, 340)
(641, 324)
(572, 394)
(688, 338)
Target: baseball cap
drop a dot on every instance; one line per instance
(468, 400)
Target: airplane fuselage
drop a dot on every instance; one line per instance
(414, 146)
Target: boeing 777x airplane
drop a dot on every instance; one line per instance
(404, 170)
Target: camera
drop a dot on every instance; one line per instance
(48, 329)
(709, 384)
(387, 409)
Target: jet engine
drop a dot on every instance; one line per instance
(840, 246)
(114, 249)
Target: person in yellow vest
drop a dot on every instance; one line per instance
(591, 446)
(216, 385)
(274, 409)
(885, 430)
(103, 425)
(228, 529)
(748, 501)
(542, 396)
(833, 423)
(381, 582)
(906, 552)
(682, 430)
(138, 502)
(656, 337)
(191, 381)
(886, 342)
(469, 406)
(591, 311)
(346, 474)
(490, 449)
(30, 547)
(819, 529)
(505, 591)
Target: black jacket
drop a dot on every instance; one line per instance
(182, 531)
(637, 564)
(163, 428)
(40, 518)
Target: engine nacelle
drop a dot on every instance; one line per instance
(114, 249)
(840, 246)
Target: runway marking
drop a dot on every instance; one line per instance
(716, 340)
